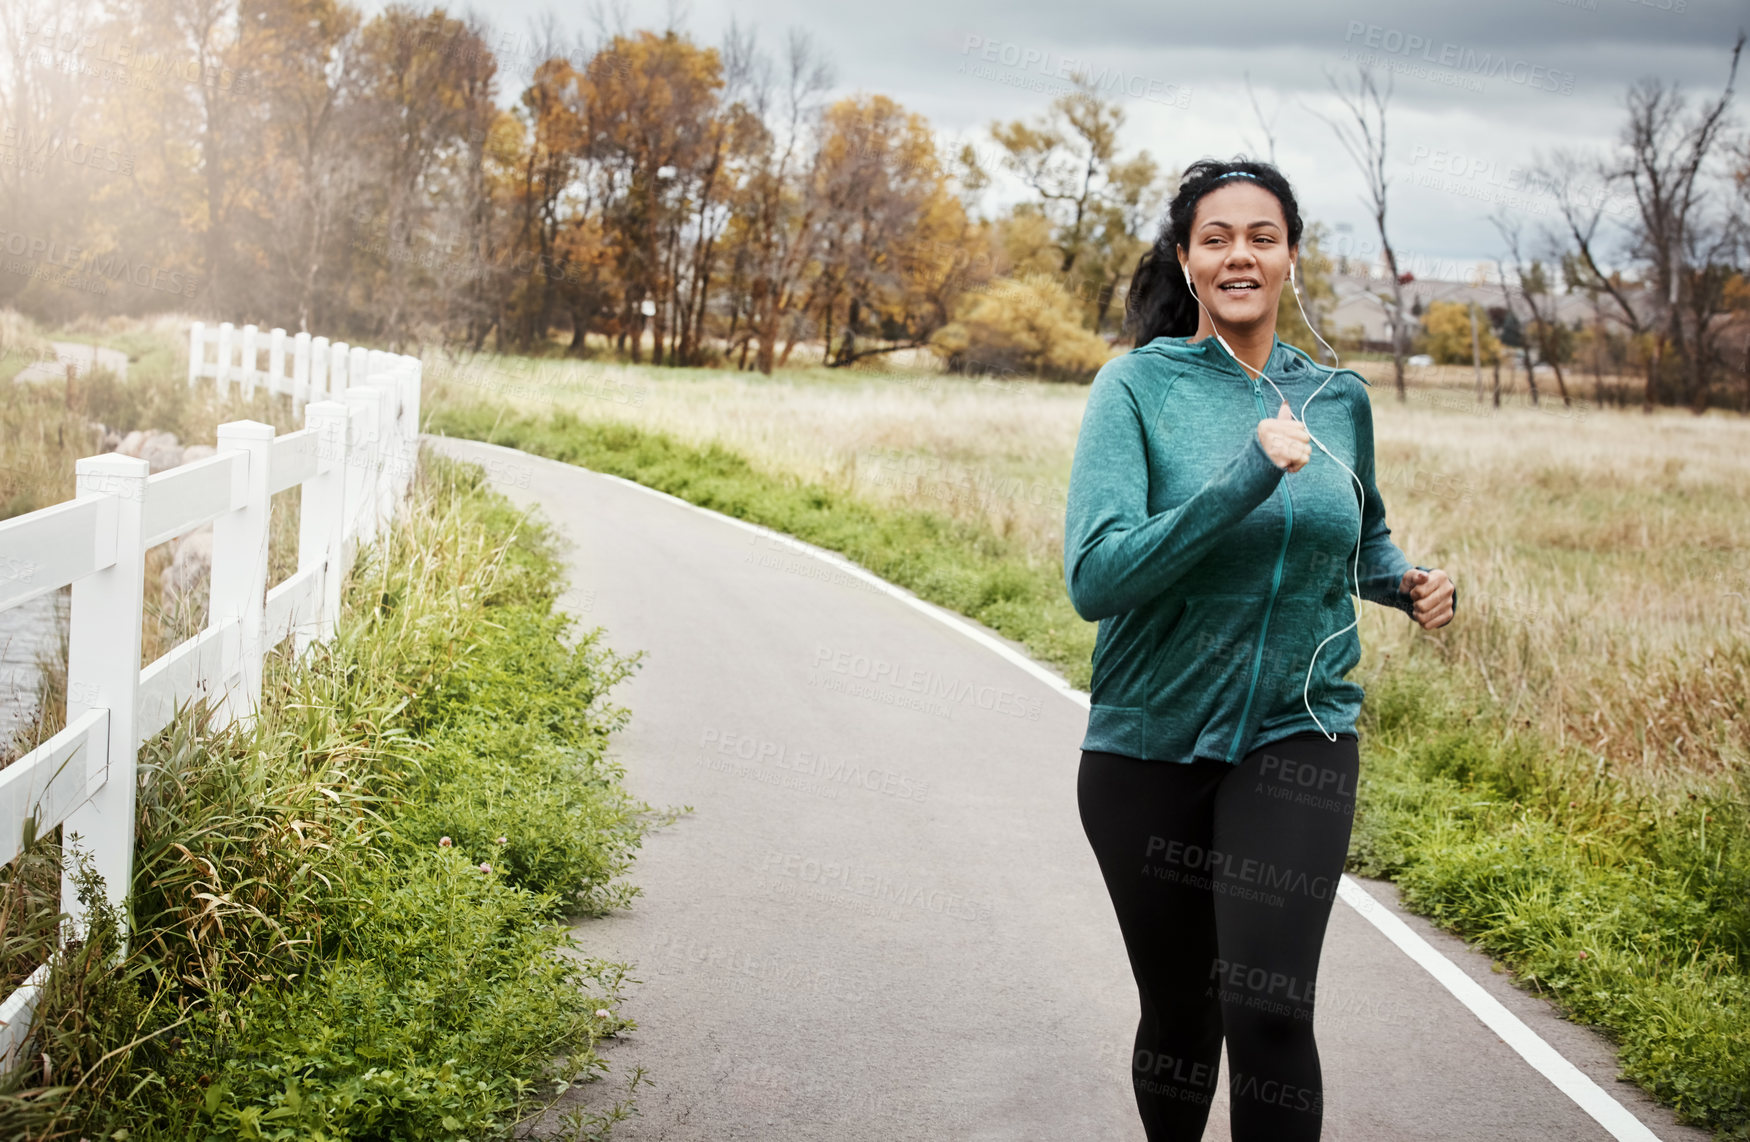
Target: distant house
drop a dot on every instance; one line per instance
(1363, 301)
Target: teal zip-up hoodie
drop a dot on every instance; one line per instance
(1214, 574)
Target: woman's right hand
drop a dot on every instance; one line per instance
(1285, 440)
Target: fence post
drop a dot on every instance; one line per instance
(388, 448)
(320, 389)
(301, 368)
(239, 574)
(103, 672)
(358, 364)
(408, 429)
(197, 336)
(250, 349)
(224, 370)
(276, 363)
(322, 514)
(355, 417)
(361, 459)
(339, 378)
(418, 368)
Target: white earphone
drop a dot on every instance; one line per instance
(1192, 286)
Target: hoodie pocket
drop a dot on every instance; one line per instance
(1204, 665)
(1300, 665)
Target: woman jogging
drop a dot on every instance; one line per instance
(1222, 511)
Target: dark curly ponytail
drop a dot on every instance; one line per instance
(1159, 303)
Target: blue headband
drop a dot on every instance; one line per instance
(1235, 174)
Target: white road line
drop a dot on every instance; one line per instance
(1530, 1046)
(1568, 1078)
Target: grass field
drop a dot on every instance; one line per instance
(1560, 775)
(1599, 552)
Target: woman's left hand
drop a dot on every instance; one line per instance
(1432, 591)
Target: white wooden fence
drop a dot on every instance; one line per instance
(353, 460)
(307, 368)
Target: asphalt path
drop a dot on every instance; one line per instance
(82, 358)
(882, 920)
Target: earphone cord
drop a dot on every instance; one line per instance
(1305, 687)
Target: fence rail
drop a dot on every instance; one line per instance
(304, 367)
(352, 460)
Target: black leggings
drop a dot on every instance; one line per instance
(1223, 877)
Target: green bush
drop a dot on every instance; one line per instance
(330, 939)
(1625, 907)
(1028, 325)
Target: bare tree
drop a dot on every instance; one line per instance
(781, 223)
(1683, 247)
(1268, 126)
(1365, 141)
(1582, 188)
(1664, 161)
(1533, 284)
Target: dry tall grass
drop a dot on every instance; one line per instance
(46, 427)
(1599, 553)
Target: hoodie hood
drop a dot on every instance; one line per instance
(1286, 365)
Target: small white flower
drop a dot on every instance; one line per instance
(603, 1013)
(443, 842)
(484, 867)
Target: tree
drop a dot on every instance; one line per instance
(1681, 239)
(881, 185)
(1664, 160)
(1365, 141)
(307, 170)
(1546, 331)
(1449, 335)
(1313, 276)
(773, 229)
(416, 108)
(1097, 205)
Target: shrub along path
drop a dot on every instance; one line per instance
(882, 919)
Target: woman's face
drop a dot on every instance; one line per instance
(1239, 254)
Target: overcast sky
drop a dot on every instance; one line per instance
(1480, 86)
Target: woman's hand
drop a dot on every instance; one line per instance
(1432, 591)
(1285, 440)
